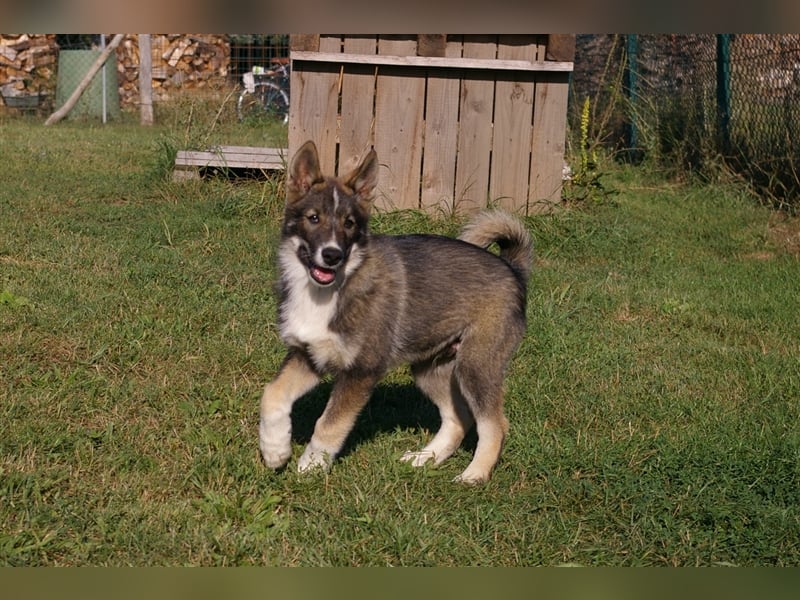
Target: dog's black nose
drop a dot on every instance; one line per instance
(332, 256)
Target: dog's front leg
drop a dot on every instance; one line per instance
(350, 394)
(295, 378)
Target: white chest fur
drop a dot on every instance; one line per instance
(306, 314)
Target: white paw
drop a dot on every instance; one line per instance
(313, 459)
(417, 459)
(275, 441)
(471, 477)
(275, 460)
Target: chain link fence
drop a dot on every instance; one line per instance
(689, 100)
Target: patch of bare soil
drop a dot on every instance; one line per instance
(784, 232)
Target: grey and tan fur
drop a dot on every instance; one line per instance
(355, 305)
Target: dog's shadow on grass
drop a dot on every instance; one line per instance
(392, 407)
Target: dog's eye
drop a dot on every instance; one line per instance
(313, 218)
(349, 223)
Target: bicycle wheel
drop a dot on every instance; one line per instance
(267, 101)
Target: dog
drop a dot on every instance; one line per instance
(354, 305)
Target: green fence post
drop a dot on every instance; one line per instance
(724, 91)
(631, 76)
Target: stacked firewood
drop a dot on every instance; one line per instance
(180, 61)
(27, 64)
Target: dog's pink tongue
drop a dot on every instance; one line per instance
(323, 276)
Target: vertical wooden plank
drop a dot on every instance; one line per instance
(475, 136)
(358, 98)
(330, 42)
(548, 143)
(560, 47)
(511, 145)
(432, 44)
(314, 106)
(308, 42)
(441, 134)
(549, 131)
(399, 104)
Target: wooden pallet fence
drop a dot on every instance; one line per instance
(459, 122)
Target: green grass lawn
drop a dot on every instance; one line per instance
(653, 404)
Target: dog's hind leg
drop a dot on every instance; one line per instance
(482, 387)
(295, 378)
(350, 394)
(436, 380)
(492, 430)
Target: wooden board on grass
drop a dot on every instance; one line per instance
(189, 162)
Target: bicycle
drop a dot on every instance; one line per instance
(265, 94)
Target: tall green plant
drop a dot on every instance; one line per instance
(585, 184)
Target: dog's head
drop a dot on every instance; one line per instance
(327, 217)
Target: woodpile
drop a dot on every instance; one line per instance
(27, 65)
(180, 61)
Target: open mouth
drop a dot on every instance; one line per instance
(324, 268)
(322, 275)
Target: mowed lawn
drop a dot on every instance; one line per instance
(653, 404)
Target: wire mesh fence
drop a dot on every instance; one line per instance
(256, 50)
(765, 113)
(689, 100)
(76, 55)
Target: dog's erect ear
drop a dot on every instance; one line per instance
(303, 172)
(364, 177)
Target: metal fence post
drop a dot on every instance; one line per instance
(631, 76)
(724, 90)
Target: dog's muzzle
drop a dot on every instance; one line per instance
(325, 275)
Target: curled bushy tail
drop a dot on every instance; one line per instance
(516, 246)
